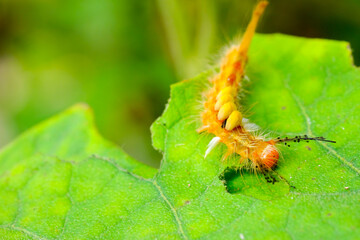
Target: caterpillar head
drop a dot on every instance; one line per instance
(266, 154)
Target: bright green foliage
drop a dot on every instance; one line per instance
(62, 180)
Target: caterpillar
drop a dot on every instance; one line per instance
(223, 117)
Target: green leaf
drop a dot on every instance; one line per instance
(62, 180)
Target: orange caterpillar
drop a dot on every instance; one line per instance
(222, 116)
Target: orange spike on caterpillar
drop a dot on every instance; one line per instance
(222, 115)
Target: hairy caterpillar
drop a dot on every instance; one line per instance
(223, 118)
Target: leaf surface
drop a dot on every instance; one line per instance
(61, 180)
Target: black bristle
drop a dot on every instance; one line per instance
(305, 137)
(223, 124)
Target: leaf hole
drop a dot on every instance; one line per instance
(264, 186)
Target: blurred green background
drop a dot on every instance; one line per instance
(121, 56)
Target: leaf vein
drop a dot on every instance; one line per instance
(177, 219)
(111, 162)
(308, 124)
(23, 230)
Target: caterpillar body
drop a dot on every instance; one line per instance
(223, 117)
